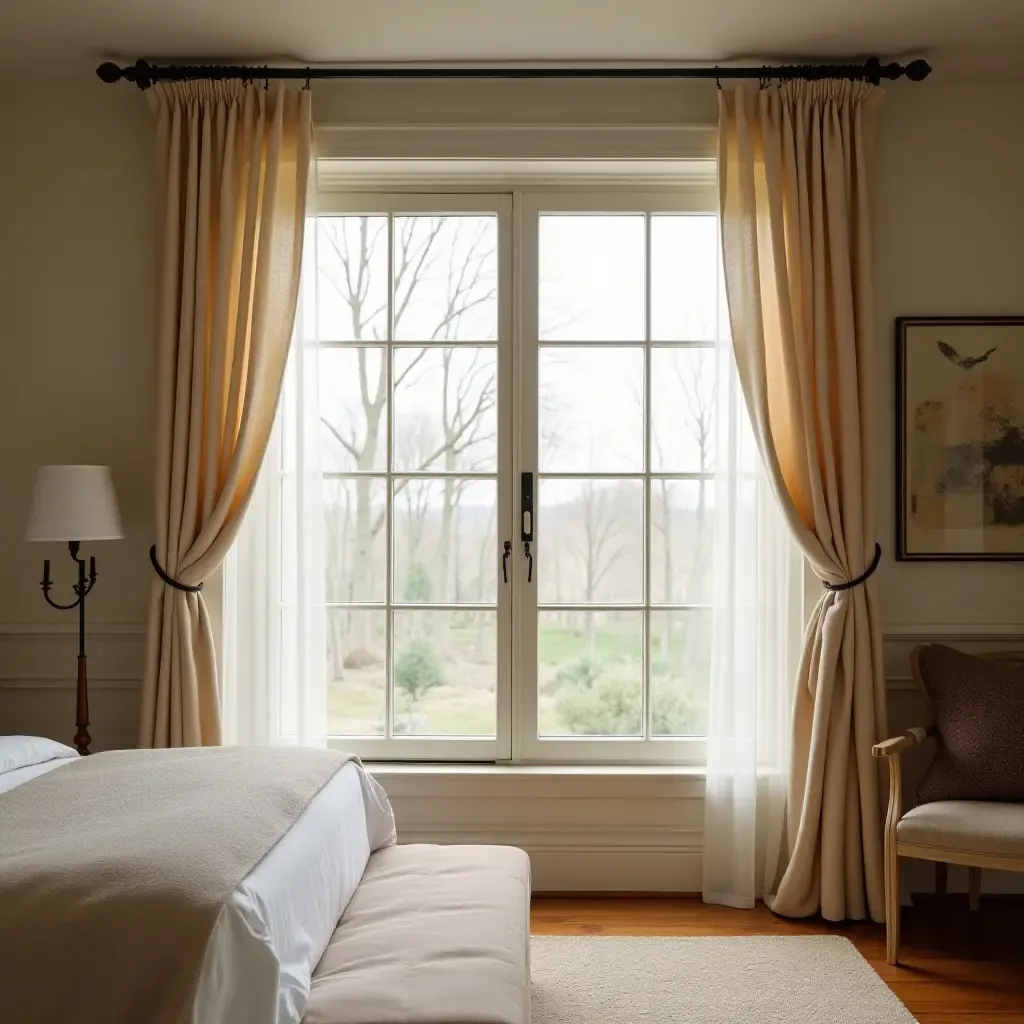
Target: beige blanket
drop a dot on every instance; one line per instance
(115, 869)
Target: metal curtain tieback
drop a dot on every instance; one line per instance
(184, 588)
(863, 577)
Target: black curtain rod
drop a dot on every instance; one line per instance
(144, 74)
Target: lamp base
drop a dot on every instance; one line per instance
(82, 737)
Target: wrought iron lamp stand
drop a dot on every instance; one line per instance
(81, 589)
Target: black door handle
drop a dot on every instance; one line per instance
(504, 560)
(526, 521)
(526, 507)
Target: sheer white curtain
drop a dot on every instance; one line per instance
(757, 628)
(275, 651)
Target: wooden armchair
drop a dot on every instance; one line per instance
(974, 834)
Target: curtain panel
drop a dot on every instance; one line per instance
(793, 182)
(234, 166)
(275, 617)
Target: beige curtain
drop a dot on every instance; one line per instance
(795, 229)
(234, 165)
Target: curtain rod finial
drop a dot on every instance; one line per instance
(918, 70)
(141, 73)
(109, 72)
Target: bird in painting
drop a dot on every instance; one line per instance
(964, 362)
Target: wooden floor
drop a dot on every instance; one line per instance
(955, 966)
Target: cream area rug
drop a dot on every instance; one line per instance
(749, 980)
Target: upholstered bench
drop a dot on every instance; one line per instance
(432, 935)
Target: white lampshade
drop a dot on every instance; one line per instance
(74, 503)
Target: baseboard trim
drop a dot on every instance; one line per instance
(583, 869)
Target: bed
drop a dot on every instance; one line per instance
(280, 917)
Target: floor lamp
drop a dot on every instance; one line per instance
(75, 504)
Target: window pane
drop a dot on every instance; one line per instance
(288, 569)
(445, 673)
(591, 541)
(355, 541)
(446, 278)
(682, 541)
(591, 410)
(353, 409)
(352, 254)
(684, 278)
(288, 656)
(680, 672)
(590, 677)
(445, 540)
(683, 415)
(445, 409)
(591, 285)
(286, 426)
(356, 672)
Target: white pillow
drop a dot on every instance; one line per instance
(23, 751)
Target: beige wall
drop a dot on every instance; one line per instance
(76, 372)
(76, 354)
(949, 239)
(76, 346)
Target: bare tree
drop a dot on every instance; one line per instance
(697, 384)
(426, 250)
(662, 521)
(596, 542)
(485, 553)
(696, 391)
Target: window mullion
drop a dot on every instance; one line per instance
(648, 430)
(389, 655)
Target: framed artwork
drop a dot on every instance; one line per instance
(960, 438)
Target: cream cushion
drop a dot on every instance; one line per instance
(967, 826)
(432, 935)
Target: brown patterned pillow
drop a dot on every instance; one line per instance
(978, 707)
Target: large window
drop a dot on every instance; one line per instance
(463, 341)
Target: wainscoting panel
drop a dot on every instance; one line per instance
(38, 674)
(584, 830)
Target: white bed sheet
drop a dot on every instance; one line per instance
(278, 921)
(8, 780)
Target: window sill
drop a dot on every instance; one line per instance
(381, 769)
(496, 782)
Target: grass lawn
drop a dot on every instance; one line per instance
(465, 704)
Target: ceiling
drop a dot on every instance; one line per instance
(977, 37)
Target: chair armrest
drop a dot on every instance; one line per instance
(891, 749)
(895, 746)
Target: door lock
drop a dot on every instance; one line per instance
(526, 524)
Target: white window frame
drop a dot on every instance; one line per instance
(692, 199)
(518, 192)
(447, 748)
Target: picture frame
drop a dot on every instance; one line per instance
(960, 438)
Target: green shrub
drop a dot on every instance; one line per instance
(418, 669)
(583, 671)
(602, 704)
(592, 699)
(673, 712)
(419, 587)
